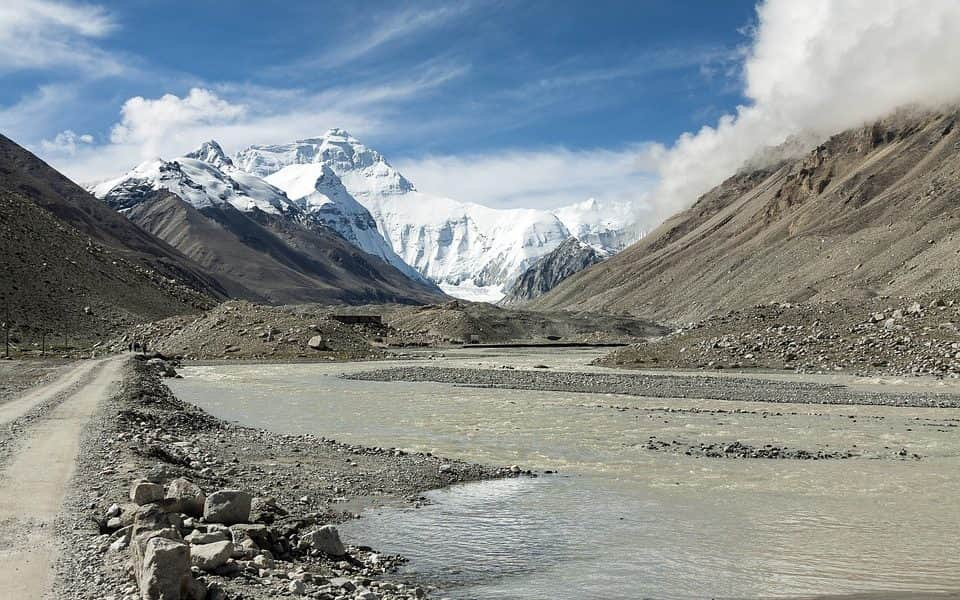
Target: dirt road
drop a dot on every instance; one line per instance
(34, 481)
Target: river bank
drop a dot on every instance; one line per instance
(298, 482)
(660, 497)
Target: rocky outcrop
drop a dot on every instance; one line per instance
(572, 256)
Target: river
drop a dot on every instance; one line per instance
(620, 520)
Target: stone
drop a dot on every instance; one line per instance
(326, 539)
(263, 560)
(151, 517)
(297, 588)
(189, 496)
(162, 569)
(228, 507)
(199, 537)
(259, 534)
(144, 492)
(208, 557)
(317, 343)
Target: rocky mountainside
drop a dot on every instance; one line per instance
(871, 212)
(572, 256)
(73, 268)
(472, 251)
(267, 246)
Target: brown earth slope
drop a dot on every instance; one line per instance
(24, 174)
(872, 211)
(74, 271)
(277, 259)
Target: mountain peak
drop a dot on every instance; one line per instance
(346, 156)
(337, 132)
(211, 152)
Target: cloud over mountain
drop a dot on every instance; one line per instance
(818, 67)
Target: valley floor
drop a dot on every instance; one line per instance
(93, 427)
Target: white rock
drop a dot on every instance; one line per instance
(144, 492)
(210, 556)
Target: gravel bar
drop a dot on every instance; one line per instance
(661, 386)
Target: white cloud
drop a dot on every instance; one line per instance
(42, 34)
(153, 124)
(239, 115)
(546, 178)
(815, 68)
(20, 120)
(390, 29)
(66, 142)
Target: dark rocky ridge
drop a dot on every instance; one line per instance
(662, 386)
(572, 256)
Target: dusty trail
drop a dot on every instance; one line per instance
(10, 411)
(33, 484)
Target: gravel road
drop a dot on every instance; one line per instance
(39, 468)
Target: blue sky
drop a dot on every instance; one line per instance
(412, 80)
(509, 103)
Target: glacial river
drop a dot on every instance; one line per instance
(620, 520)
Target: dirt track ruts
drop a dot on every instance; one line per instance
(34, 480)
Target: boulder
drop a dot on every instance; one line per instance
(162, 569)
(190, 498)
(144, 492)
(151, 517)
(317, 343)
(228, 507)
(326, 539)
(208, 557)
(198, 537)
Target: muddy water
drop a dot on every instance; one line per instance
(620, 520)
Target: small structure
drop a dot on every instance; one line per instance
(474, 339)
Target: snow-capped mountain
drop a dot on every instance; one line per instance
(207, 177)
(608, 226)
(316, 189)
(202, 184)
(470, 250)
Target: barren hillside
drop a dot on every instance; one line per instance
(870, 212)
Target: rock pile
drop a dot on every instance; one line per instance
(181, 539)
(884, 336)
